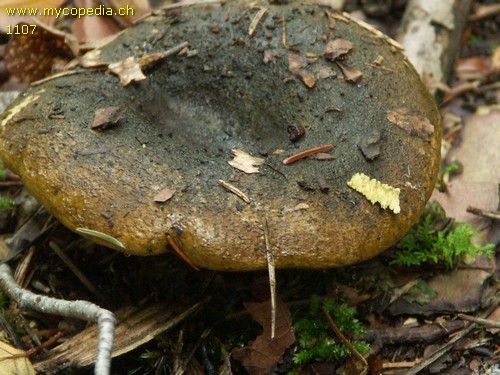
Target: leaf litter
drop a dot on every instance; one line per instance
(413, 123)
(262, 354)
(245, 162)
(336, 49)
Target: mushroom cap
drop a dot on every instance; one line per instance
(179, 126)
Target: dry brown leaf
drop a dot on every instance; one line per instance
(470, 68)
(91, 59)
(245, 162)
(296, 63)
(107, 117)
(127, 70)
(90, 28)
(495, 317)
(32, 57)
(14, 366)
(264, 353)
(271, 55)
(413, 123)
(141, 8)
(164, 195)
(351, 74)
(326, 72)
(307, 79)
(337, 48)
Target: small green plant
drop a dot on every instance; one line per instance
(448, 247)
(315, 338)
(441, 184)
(6, 202)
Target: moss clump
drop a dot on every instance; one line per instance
(447, 247)
(6, 203)
(316, 340)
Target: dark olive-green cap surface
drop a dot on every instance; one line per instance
(177, 128)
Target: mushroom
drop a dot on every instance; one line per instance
(172, 135)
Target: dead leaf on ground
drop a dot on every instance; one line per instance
(326, 72)
(141, 8)
(296, 65)
(107, 117)
(128, 70)
(91, 59)
(271, 55)
(470, 68)
(461, 194)
(245, 162)
(413, 123)
(478, 150)
(264, 353)
(90, 28)
(14, 366)
(351, 74)
(460, 290)
(33, 56)
(307, 79)
(495, 317)
(337, 48)
(164, 195)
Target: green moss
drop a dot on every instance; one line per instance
(447, 247)
(6, 203)
(316, 339)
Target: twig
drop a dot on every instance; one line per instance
(190, 355)
(428, 333)
(484, 322)
(23, 267)
(283, 33)
(36, 349)
(345, 341)
(172, 51)
(233, 189)
(391, 365)
(176, 6)
(63, 74)
(73, 309)
(450, 344)
(180, 253)
(272, 277)
(303, 154)
(79, 274)
(255, 21)
(495, 215)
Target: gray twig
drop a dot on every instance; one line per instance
(75, 309)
